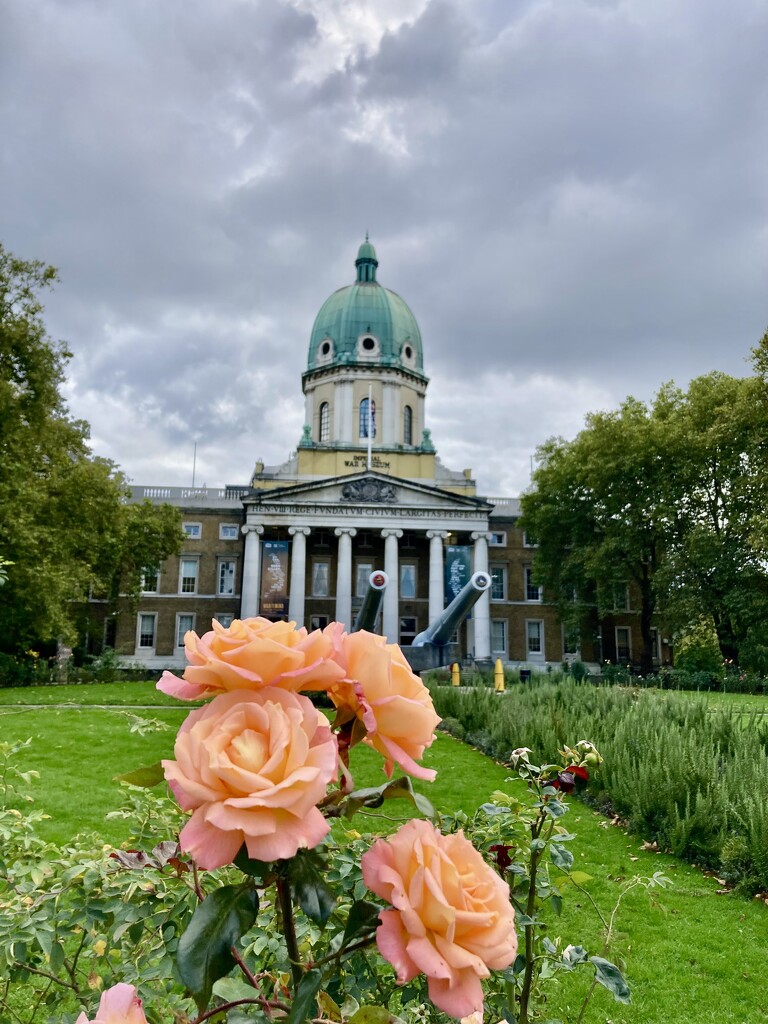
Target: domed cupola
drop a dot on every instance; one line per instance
(364, 385)
(365, 323)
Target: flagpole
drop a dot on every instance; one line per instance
(370, 423)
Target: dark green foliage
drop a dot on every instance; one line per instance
(682, 775)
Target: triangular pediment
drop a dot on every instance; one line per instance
(366, 489)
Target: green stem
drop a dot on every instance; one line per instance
(289, 930)
(530, 909)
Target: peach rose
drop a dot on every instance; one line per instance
(392, 703)
(253, 653)
(452, 919)
(119, 1005)
(252, 765)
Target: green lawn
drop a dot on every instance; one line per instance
(693, 956)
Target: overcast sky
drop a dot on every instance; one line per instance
(571, 195)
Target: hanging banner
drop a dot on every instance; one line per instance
(458, 569)
(274, 578)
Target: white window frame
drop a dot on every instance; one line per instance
(529, 586)
(628, 631)
(530, 654)
(219, 566)
(620, 606)
(193, 531)
(414, 567)
(496, 568)
(179, 617)
(318, 621)
(496, 651)
(225, 619)
(316, 563)
(501, 542)
(182, 560)
(528, 543)
(229, 526)
(148, 649)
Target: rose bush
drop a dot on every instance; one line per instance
(252, 766)
(452, 919)
(253, 653)
(119, 1005)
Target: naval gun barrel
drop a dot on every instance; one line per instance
(366, 617)
(439, 632)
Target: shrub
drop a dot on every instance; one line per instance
(683, 777)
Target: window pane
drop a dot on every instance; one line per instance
(226, 579)
(498, 636)
(533, 632)
(364, 418)
(192, 530)
(498, 583)
(408, 425)
(228, 531)
(364, 570)
(325, 420)
(407, 580)
(407, 629)
(320, 579)
(184, 623)
(623, 648)
(225, 620)
(188, 576)
(150, 581)
(532, 591)
(146, 631)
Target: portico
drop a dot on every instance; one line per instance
(363, 521)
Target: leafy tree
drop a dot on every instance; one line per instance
(596, 516)
(715, 434)
(65, 526)
(672, 497)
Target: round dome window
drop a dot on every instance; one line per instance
(408, 352)
(325, 348)
(369, 344)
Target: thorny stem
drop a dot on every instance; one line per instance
(196, 879)
(343, 951)
(252, 979)
(530, 908)
(289, 931)
(268, 1004)
(50, 977)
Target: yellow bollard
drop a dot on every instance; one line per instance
(455, 674)
(498, 676)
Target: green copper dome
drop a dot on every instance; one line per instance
(366, 324)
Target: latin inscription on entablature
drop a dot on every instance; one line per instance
(343, 511)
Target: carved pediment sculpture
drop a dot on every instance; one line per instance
(371, 490)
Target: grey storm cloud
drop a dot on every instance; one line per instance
(571, 197)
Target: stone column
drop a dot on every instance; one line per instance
(249, 599)
(298, 573)
(482, 610)
(344, 576)
(436, 573)
(390, 623)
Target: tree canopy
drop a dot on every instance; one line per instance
(671, 497)
(65, 525)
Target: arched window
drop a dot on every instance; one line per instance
(325, 422)
(407, 425)
(364, 418)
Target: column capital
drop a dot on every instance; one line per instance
(252, 528)
(342, 531)
(442, 534)
(293, 530)
(392, 533)
(480, 535)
